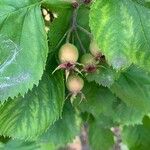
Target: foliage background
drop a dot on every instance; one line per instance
(33, 112)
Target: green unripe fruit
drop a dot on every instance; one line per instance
(75, 83)
(89, 63)
(94, 49)
(88, 59)
(68, 53)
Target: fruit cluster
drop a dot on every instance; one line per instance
(68, 57)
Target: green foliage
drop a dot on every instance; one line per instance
(104, 76)
(57, 3)
(33, 112)
(21, 41)
(22, 145)
(123, 114)
(133, 88)
(145, 3)
(100, 138)
(137, 137)
(82, 21)
(121, 29)
(99, 100)
(64, 130)
(61, 22)
(29, 116)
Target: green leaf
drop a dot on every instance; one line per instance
(105, 121)
(119, 113)
(123, 114)
(28, 117)
(4, 139)
(133, 87)
(20, 145)
(121, 29)
(104, 76)
(97, 99)
(100, 100)
(57, 3)
(64, 130)
(23, 46)
(59, 27)
(1, 145)
(145, 3)
(23, 145)
(100, 138)
(137, 137)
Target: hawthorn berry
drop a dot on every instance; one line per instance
(68, 56)
(68, 53)
(75, 84)
(95, 50)
(89, 63)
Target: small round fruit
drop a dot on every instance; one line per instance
(75, 83)
(68, 53)
(94, 49)
(89, 63)
(88, 59)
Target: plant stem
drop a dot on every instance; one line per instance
(117, 134)
(68, 35)
(84, 30)
(80, 42)
(73, 39)
(73, 23)
(62, 39)
(84, 137)
(74, 26)
(74, 18)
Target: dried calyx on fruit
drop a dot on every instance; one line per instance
(87, 1)
(75, 4)
(75, 84)
(68, 56)
(95, 51)
(89, 63)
